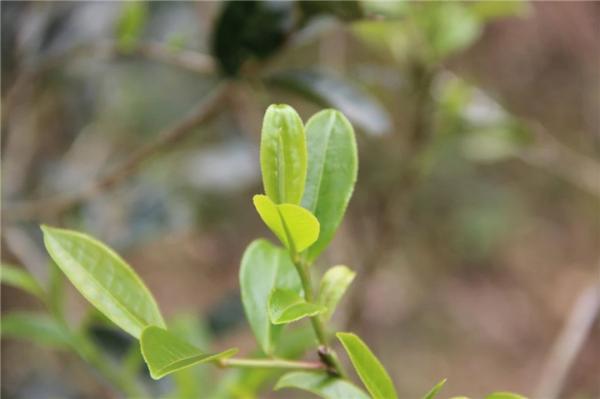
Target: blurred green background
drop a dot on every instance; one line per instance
(474, 226)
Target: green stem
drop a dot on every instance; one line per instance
(273, 364)
(326, 354)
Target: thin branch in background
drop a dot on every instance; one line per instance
(551, 155)
(569, 343)
(33, 209)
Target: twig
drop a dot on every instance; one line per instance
(273, 364)
(47, 206)
(569, 343)
(557, 158)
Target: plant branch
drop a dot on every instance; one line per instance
(32, 209)
(569, 343)
(273, 364)
(327, 355)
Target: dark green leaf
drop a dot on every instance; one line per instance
(332, 171)
(435, 390)
(265, 267)
(286, 306)
(104, 279)
(322, 385)
(36, 327)
(248, 30)
(328, 90)
(283, 154)
(368, 367)
(295, 227)
(165, 353)
(20, 278)
(346, 10)
(333, 286)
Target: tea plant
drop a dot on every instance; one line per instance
(308, 174)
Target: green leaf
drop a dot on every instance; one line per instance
(20, 278)
(131, 23)
(332, 171)
(321, 384)
(333, 286)
(104, 279)
(37, 327)
(265, 267)
(367, 366)
(283, 154)
(295, 227)
(329, 90)
(504, 395)
(165, 353)
(286, 306)
(435, 390)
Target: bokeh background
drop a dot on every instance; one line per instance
(474, 227)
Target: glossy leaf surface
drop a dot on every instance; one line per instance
(20, 278)
(332, 171)
(322, 385)
(295, 227)
(283, 154)
(435, 390)
(286, 306)
(368, 367)
(166, 353)
(329, 90)
(104, 279)
(334, 284)
(37, 327)
(265, 267)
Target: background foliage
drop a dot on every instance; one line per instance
(473, 228)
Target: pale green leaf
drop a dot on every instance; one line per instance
(333, 286)
(104, 279)
(20, 278)
(332, 171)
(295, 227)
(286, 306)
(321, 384)
(265, 267)
(166, 353)
(368, 367)
(504, 395)
(435, 390)
(283, 154)
(131, 23)
(37, 327)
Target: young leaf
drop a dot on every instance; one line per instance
(165, 353)
(295, 227)
(37, 327)
(283, 154)
(131, 23)
(332, 170)
(504, 395)
(19, 278)
(265, 267)
(321, 384)
(367, 366)
(333, 285)
(435, 390)
(104, 279)
(286, 306)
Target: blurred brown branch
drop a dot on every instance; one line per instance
(550, 154)
(186, 59)
(33, 209)
(569, 343)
